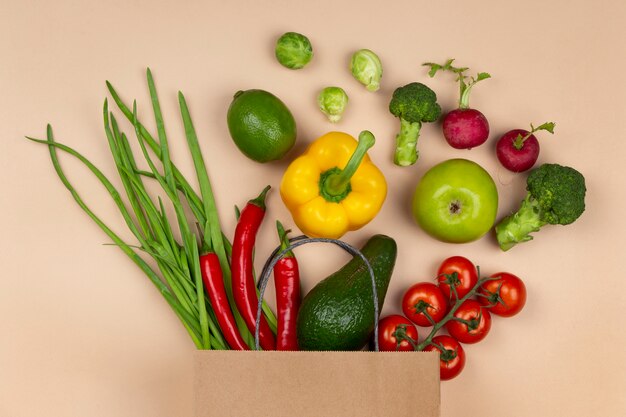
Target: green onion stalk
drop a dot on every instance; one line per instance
(177, 274)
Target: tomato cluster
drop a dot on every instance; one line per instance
(461, 303)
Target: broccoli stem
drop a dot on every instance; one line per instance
(517, 227)
(406, 143)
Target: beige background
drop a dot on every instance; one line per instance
(83, 332)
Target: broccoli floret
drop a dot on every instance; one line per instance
(556, 195)
(414, 104)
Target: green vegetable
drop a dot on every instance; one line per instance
(338, 313)
(293, 50)
(518, 142)
(367, 69)
(174, 269)
(332, 102)
(414, 104)
(556, 195)
(465, 82)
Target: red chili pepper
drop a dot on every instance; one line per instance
(214, 284)
(287, 282)
(244, 289)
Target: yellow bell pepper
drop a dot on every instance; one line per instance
(334, 187)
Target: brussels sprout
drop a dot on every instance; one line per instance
(367, 69)
(332, 102)
(293, 50)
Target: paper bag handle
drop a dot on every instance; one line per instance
(299, 241)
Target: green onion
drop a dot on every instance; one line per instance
(190, 323)
(177, 274)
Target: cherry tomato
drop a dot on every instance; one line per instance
(451, 358)
(476, 322)
(464, 280)
(504, 296)
(390, 330)
(421, 298)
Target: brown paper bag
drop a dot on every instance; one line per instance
(316, 384)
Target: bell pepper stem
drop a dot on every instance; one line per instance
(338, 183)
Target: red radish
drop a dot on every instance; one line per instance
(463, 128)
(518, 149)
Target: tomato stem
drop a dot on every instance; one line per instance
(450, 316)
(494, 298)
(400, 334)
(421, 307)
(447, 355)
(452, 280)
(471, 324)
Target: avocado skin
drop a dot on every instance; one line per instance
(338, 313)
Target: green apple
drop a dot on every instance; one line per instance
(456, 201)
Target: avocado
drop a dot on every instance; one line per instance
(338, 313)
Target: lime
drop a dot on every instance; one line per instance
(261, 125)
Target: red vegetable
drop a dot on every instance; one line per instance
(214, 284)
(451, 356)
(394, 333)
(424, 300)
(287, 282)
(464, 127)
(518, 149)
(463, 281)
(504, 296)
(244, 289)
(471, 322)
